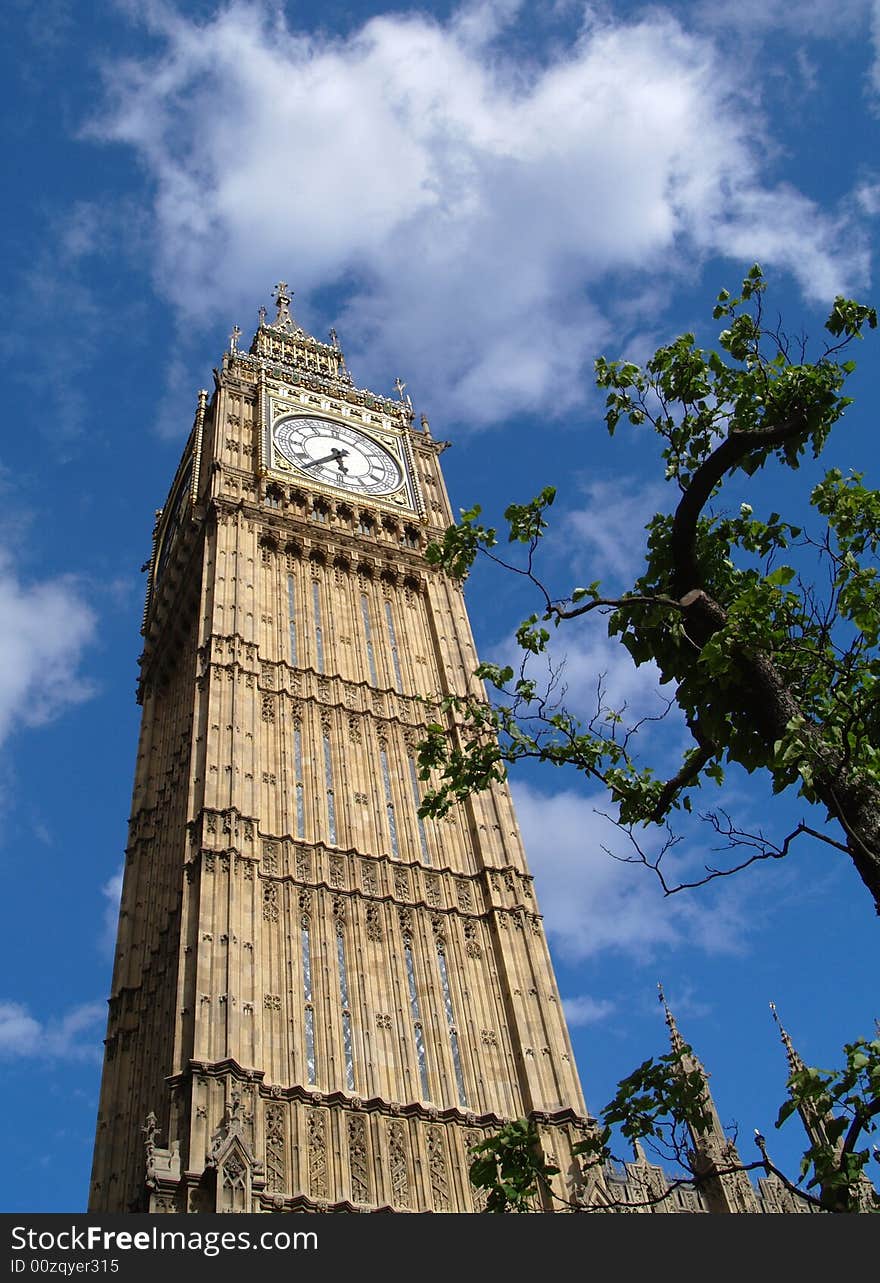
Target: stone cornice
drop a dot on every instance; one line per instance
(350, 1101)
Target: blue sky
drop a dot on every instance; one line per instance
(481, 198)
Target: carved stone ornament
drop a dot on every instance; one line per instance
(317, 1154)
(276, 1168)
(374, 929)
(437, 1168)
(357, 1159)
(270, 902)
(397, 1163)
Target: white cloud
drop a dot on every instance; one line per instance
(46, 627)
(594, 904)
(472, 200)
(111, 892)
(779, 227)
(73, 1036)
(609, 529)
(867, 194)
(591, 656)
(584, 1010)
(589, 669)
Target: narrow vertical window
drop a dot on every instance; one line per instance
(328, 782)
(417, 799)
(307, 999)
(291, 612)
(368, 637)
(298, 780)
(453, 1032)
(346, 1012)
(389, 803)
(392, 642)
(416, 1017)
(319, 633)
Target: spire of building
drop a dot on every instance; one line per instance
(794, 1061)
(813, 1118)
(714, 1156)
(818, 1121)
(676, 1041)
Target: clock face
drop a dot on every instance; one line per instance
(336, 455)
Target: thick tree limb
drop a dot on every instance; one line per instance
(722, 460)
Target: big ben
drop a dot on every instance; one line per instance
(320, 999)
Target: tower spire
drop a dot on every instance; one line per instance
(795, 1063)
(814, 1119)
(676, 1041)
(714, 1156)
(818, 1120)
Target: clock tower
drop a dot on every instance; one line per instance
(320, 1000)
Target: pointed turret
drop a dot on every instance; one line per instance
(794, 1060)
(714, 1153)
(815, 1119)
(676, 1041)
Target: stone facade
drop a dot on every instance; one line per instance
(319, 999)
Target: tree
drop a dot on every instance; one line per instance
(663, 1103)
(770, 670)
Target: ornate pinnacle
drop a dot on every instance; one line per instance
(794, 1061)
(675, 1037)
(401, 391)
(283, 319)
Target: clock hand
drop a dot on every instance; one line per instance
(335, 457)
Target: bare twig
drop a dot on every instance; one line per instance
(763, 848)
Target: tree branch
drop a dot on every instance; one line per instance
(689, 771)
(736, 837)
(722, 460)
(616, 603)
(857, 1126)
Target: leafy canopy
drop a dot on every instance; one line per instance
(772, 668)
